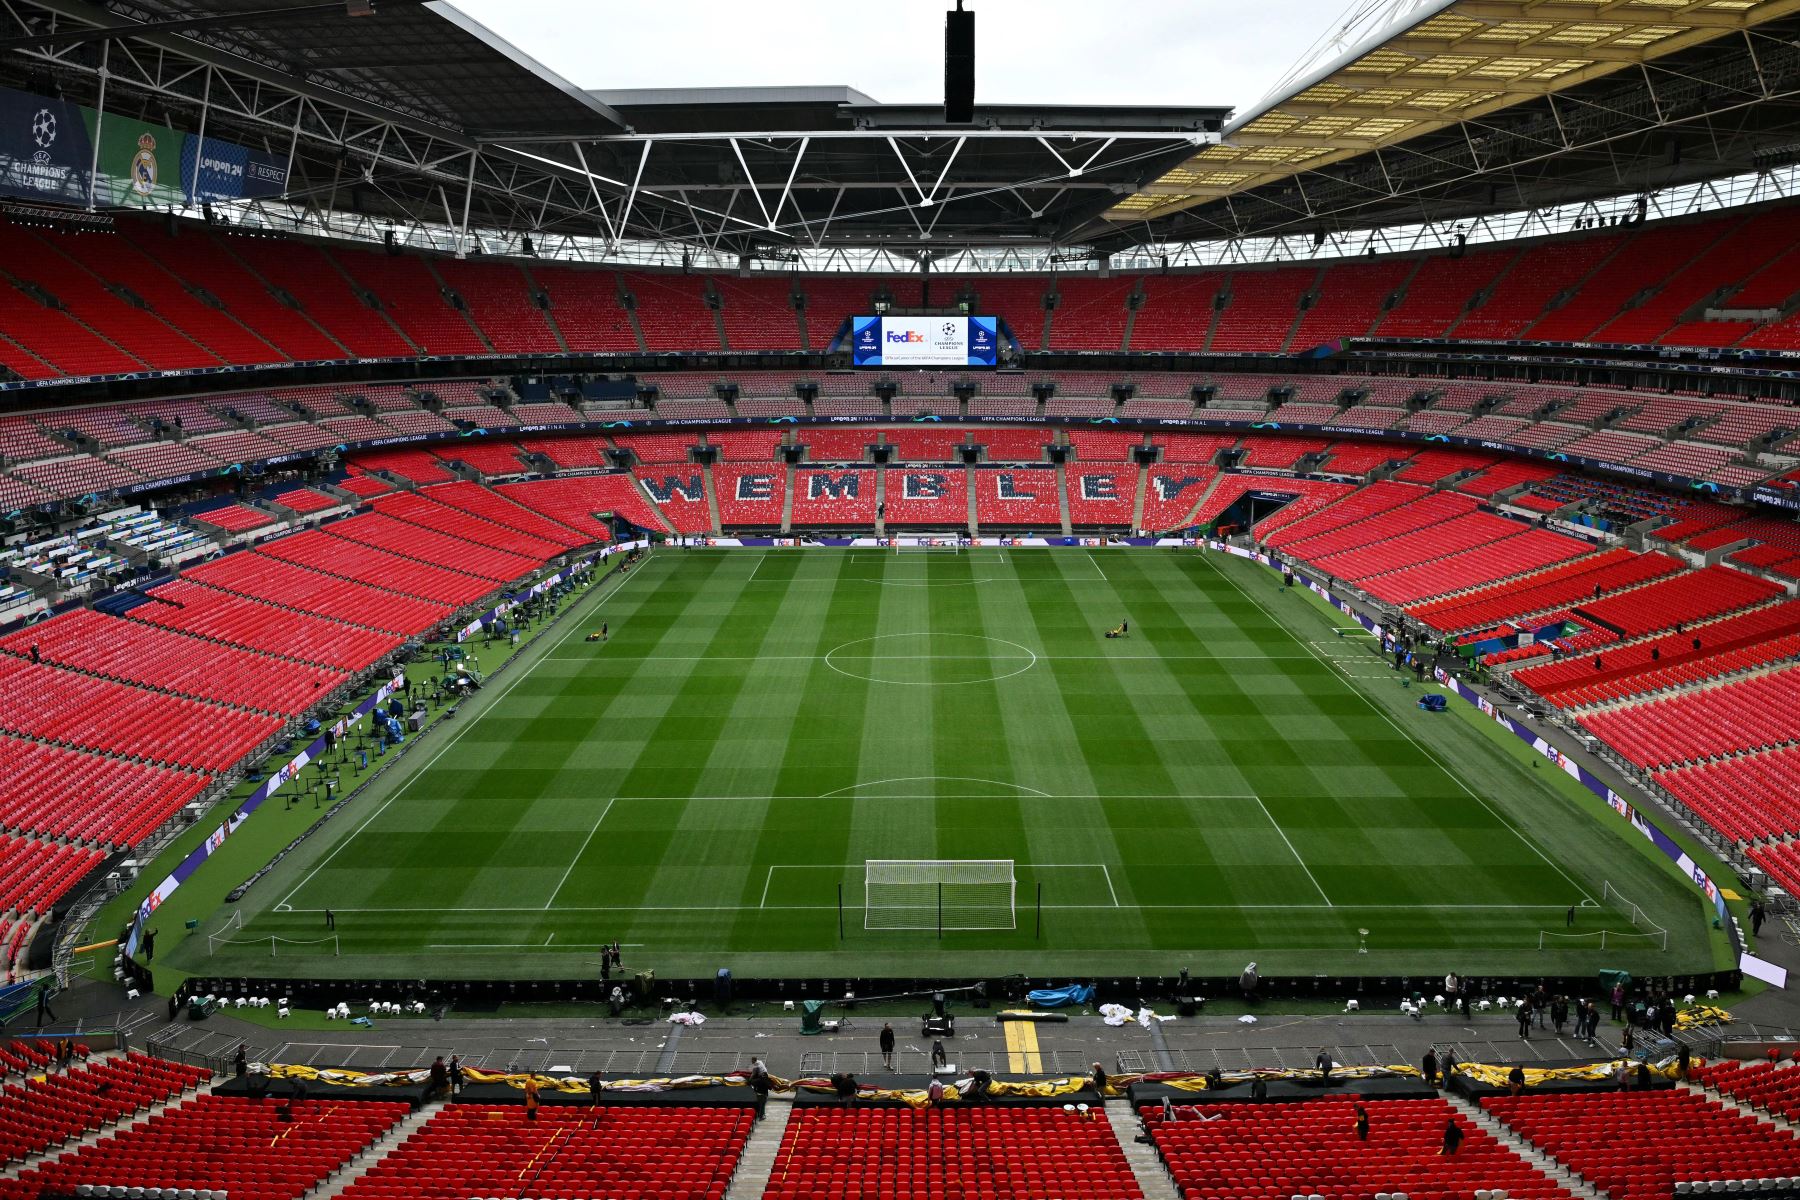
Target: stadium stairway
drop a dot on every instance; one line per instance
(758, 1158)
(1536, 1159)
(377, 1150)
(1062, 497)
(1146, 1164)
(1137, 503)
(969, 486)
(712, 490)
(880, 500)
(787, 497)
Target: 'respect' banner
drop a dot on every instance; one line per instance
(47, 153)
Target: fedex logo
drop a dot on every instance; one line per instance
(905, 335)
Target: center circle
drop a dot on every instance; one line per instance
(930, 659)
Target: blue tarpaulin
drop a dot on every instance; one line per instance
(1076, 993)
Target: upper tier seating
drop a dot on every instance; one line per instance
(1264, 308)
(411, 296)
(1017, 497)
(485, 1150)
(305, 272)
(1439, 293)
(672, 311)
(1276, 1151)
(500, 301)
(38, 1114)
(1639, 1145)
(586, 308)
(925, 1154)
(1350, 295)
(1177, 312)
(224, 1144)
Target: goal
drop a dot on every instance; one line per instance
(938, 893)
(928, 545)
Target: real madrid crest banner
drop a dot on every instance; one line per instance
(47, 153)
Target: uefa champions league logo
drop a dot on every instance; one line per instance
(43, 132)
(949, 329)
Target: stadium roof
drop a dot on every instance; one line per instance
(408, 112)
(1444, 66)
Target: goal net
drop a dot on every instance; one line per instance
(938, 893)
(928, 545)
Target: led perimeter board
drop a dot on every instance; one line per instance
(949, 341)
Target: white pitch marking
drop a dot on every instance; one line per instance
(1290, 845)
(756, 568)
(456, 737)
(1109, 885)
(952, 778)
(1405, 733)
(580, 852)
(1096, 562)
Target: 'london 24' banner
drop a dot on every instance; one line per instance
(47, 152)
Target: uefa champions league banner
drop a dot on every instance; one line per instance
(285, 773)
(47, 153)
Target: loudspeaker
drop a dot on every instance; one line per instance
(959, 66)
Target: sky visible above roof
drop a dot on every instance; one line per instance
(1158, 52)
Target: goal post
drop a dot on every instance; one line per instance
(928, 545)
(939, 893)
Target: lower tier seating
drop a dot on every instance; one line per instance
(211, 613)
(1276, 1151)
(1746, 714)
(50, 790)
(1017, 498)
(36, 1114)
(1747, 797)
(1772, 1087)
(751, 495)
(492, 1150)
(927, 496)
(224, 1144)
(1639, 1145)
(1172, 491)
(1568, 584)
(825, 496)
(929, 1154)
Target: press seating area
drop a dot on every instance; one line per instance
(1277, 1151)
(750, 495)
(1746, 714)
(1555, 588)
(1012, 445)
(925, 445)
(825, 496)
(836, 445)
(235, 518)
(92, 642)
(36, 1115)
(224, 1144)
(1639, 1145)
(486, 1150)
(414, 463)
(755, 446)
(657, 447)
(98, 714)
(1017, 498)
(926, 1154)
(935, 496)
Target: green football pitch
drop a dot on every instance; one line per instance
(1240, 778)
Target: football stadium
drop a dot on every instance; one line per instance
(570, 641)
